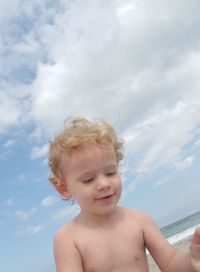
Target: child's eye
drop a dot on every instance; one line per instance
(111, 173)
(88, 180)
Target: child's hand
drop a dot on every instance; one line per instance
(195, 250)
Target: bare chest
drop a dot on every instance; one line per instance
(113, 251)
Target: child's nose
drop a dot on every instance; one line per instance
(102, 183)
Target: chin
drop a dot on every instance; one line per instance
(107, 210)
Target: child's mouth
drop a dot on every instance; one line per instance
(105, 197)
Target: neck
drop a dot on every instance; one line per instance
(100, 220)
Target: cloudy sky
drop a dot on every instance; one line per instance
(135, 64)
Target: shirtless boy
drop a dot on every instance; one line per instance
(104, 237)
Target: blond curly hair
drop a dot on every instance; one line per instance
(81, 132)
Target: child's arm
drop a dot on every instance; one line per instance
(66, 254)
(166, 257)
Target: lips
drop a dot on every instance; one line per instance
(105, 197)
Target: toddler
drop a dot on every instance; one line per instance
(84, 159)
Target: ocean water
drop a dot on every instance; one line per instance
(181, 229)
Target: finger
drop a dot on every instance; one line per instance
(196, 236)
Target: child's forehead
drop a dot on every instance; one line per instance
(84, 161)
(86, 158)
(81, 151)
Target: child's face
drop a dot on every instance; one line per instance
(92, 179)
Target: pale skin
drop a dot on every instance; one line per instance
(105, 237)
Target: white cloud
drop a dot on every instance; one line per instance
(6, 149)
(9, 143)
(135, 78)
(197, 143)
(9, 112)
(25, 215)
(38, 152)
(49, 201)
(124, 9)
(22, 215)
(8, 8)
(21, 177)
(161, 182)
(30, 230)
(64, 212)
(162, 136)
(136, 66)
(187, 162)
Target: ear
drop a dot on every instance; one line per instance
(61, 187)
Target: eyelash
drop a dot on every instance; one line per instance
(88, 180)
(107, 174)
(111, 174)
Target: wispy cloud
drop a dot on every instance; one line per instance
(25, 215)
(197, 143)
(64, 212)
(30, 230)
(8, 144)
(21, 177)
(187, 162)
(9, 112)
(49, 201)
(162, 136)
(126, 8)
(39, 152)
(6, 149)
(161, 182)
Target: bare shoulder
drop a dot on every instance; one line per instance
(64, 232)
(64, 239)
(138, 215)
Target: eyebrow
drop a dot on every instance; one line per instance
(111, 166)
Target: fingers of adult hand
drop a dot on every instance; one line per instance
(195, 250)
(196, 237)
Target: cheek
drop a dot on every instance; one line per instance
(119, 185)
(82, 195)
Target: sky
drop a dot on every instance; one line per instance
(135, 64)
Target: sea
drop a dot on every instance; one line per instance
(182, 228)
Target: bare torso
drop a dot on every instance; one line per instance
(116, 247)
(115, 244)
